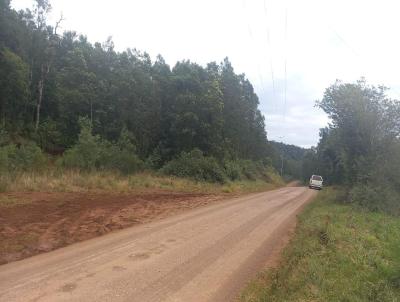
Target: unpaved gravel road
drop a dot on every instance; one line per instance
(206, 254)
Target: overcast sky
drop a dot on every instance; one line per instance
(324, 41)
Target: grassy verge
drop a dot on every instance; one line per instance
(74, 181)
(338, 253)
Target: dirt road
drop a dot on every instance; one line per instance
(58, 219)
(206, 254)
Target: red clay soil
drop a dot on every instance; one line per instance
(41, 222)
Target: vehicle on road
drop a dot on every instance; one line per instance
(316, 182)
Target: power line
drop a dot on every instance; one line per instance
(270, 48)
(250, 32)
(344, 42)
(285, 85)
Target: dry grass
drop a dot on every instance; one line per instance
(76, 181)
(9, 201)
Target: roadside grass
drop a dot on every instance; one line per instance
(10, 201)
(53, 180)
(338, 253)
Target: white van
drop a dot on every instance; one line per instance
(316, 182)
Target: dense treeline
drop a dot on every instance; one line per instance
(361, 147)
(288, 159)
(64, 93)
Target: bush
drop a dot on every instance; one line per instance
(49, 136)
(255, 170)
(93, 153)
(23, 158)
(154, 161)
(114, 157)
(376, 197)
(233, 170)
(86, 153)
(248, 169)
(195, 165)
(5, 157)
(124, 157)
(4, 137)
(251, 170)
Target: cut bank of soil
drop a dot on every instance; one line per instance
(41, 222)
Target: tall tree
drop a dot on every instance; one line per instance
(14, 89)
(363, 120)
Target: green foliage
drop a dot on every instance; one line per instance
(195, 165)
(91, 152)
(254, 170)
(233, 170)
(114, 157)
(86, 153)
(4, 137)
(14, 88)
(291, 158)
(25, 157)
(361, 147)
(56, 79)
(122, 155)
(338, 253)
(49, 136)
(376, 197)
(7, 153)
(137, 109)
(248, 170)
(364, 125)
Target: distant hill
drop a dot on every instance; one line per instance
(292, 159)
(289, 151)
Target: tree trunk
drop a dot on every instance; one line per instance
(39, 103)
(43, 75)
(3, 113)
(91, 112)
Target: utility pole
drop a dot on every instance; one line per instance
(281, 138)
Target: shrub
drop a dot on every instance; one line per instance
(245, 169)
(5, 160)
(376, 197)
(154, 161)
(30, 156)
(91, 152)
(253, 170)
(195, 165)
(250, 169)
(115, 157)
(4, 137)
(25, 157)
(86, 153)
(233, 170)
(49, 136)
(124, 156)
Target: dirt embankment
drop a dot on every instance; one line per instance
(32, 223)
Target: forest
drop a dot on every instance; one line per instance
(93, 107)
